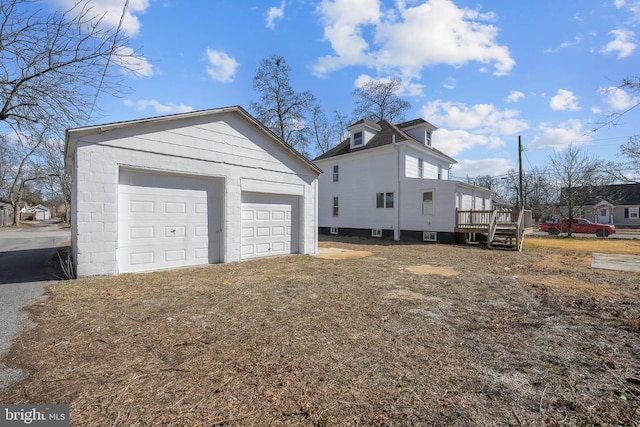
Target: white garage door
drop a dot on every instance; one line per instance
(269, 225)
(162, 221)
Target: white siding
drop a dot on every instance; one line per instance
(361, 177)
(224, 146)
(365, 173)
(444, 207)
(430, 166)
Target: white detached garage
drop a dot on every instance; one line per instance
(195, 188)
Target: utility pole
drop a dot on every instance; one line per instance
(520, 198)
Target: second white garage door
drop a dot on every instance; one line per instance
(270, 225)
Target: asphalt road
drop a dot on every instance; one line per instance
(26, 269)
(623, 234)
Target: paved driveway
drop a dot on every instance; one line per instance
(26, 269)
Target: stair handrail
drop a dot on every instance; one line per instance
(493, 225)
(520, 230)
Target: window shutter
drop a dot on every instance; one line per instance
(626, 212)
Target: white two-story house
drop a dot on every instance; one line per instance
(387, 181)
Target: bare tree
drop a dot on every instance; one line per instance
(378, 100)
(485, 181)
(59, 182)
(629, 171)
(283, 110)
(52, 68)
(327, 133)
(579, 177)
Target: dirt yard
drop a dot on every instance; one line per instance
(390, 335)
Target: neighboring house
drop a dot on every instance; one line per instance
(6, 213)
(39, 212)
(210, 186)
(387, 181)
(611, 204)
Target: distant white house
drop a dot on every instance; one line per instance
(386, 180)
(194, 188)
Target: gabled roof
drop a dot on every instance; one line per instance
(72, 135)
(415, 122)
(365, 122)
(382, 138)
(619, 194)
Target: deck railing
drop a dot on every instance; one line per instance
(512, 224)
(483, 219)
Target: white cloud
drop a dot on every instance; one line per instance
(407, 39)
(275, 13)
(623, 43)
(564, 100)
(618, 99)
(158, 108)
(452, 142)
(515, 96)
(576, 40)
(490, 166)
(484, 119)
(559, 137)
(632, 6)
(450, 83)
(129, 62)
(110, 11)
(221, 67)
(407, 88)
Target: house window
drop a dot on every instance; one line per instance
(357, 139)
(420, 168)
(633, 213)
(376, 232)
(439, 171)
(427, 138)
(336, 173)
(427, 203)
(604, 212)
(384, 200)
(429, 236)
(335, 206)
(333, 230)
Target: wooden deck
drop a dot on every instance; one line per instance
(504, 229)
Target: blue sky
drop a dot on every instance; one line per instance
(483, 72)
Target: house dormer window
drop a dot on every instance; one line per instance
(427, 138)
(357, 139)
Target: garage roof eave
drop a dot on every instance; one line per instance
(73, 135)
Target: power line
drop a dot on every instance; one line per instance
(106, 65)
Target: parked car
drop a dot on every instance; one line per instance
(580, 225)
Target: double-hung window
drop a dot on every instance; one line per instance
(336, 173)
(336, 206)
(357, 139)
(420, 168)
(384, 200)
(427, 203)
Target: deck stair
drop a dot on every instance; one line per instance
(503, 229)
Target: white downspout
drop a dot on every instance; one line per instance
(396, 231)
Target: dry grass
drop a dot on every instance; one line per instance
(393, 338)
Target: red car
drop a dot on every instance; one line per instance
(580, 225)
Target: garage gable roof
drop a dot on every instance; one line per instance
(72, 135)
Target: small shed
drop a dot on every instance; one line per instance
(40, 212)
(6, 213)
(211, 186)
